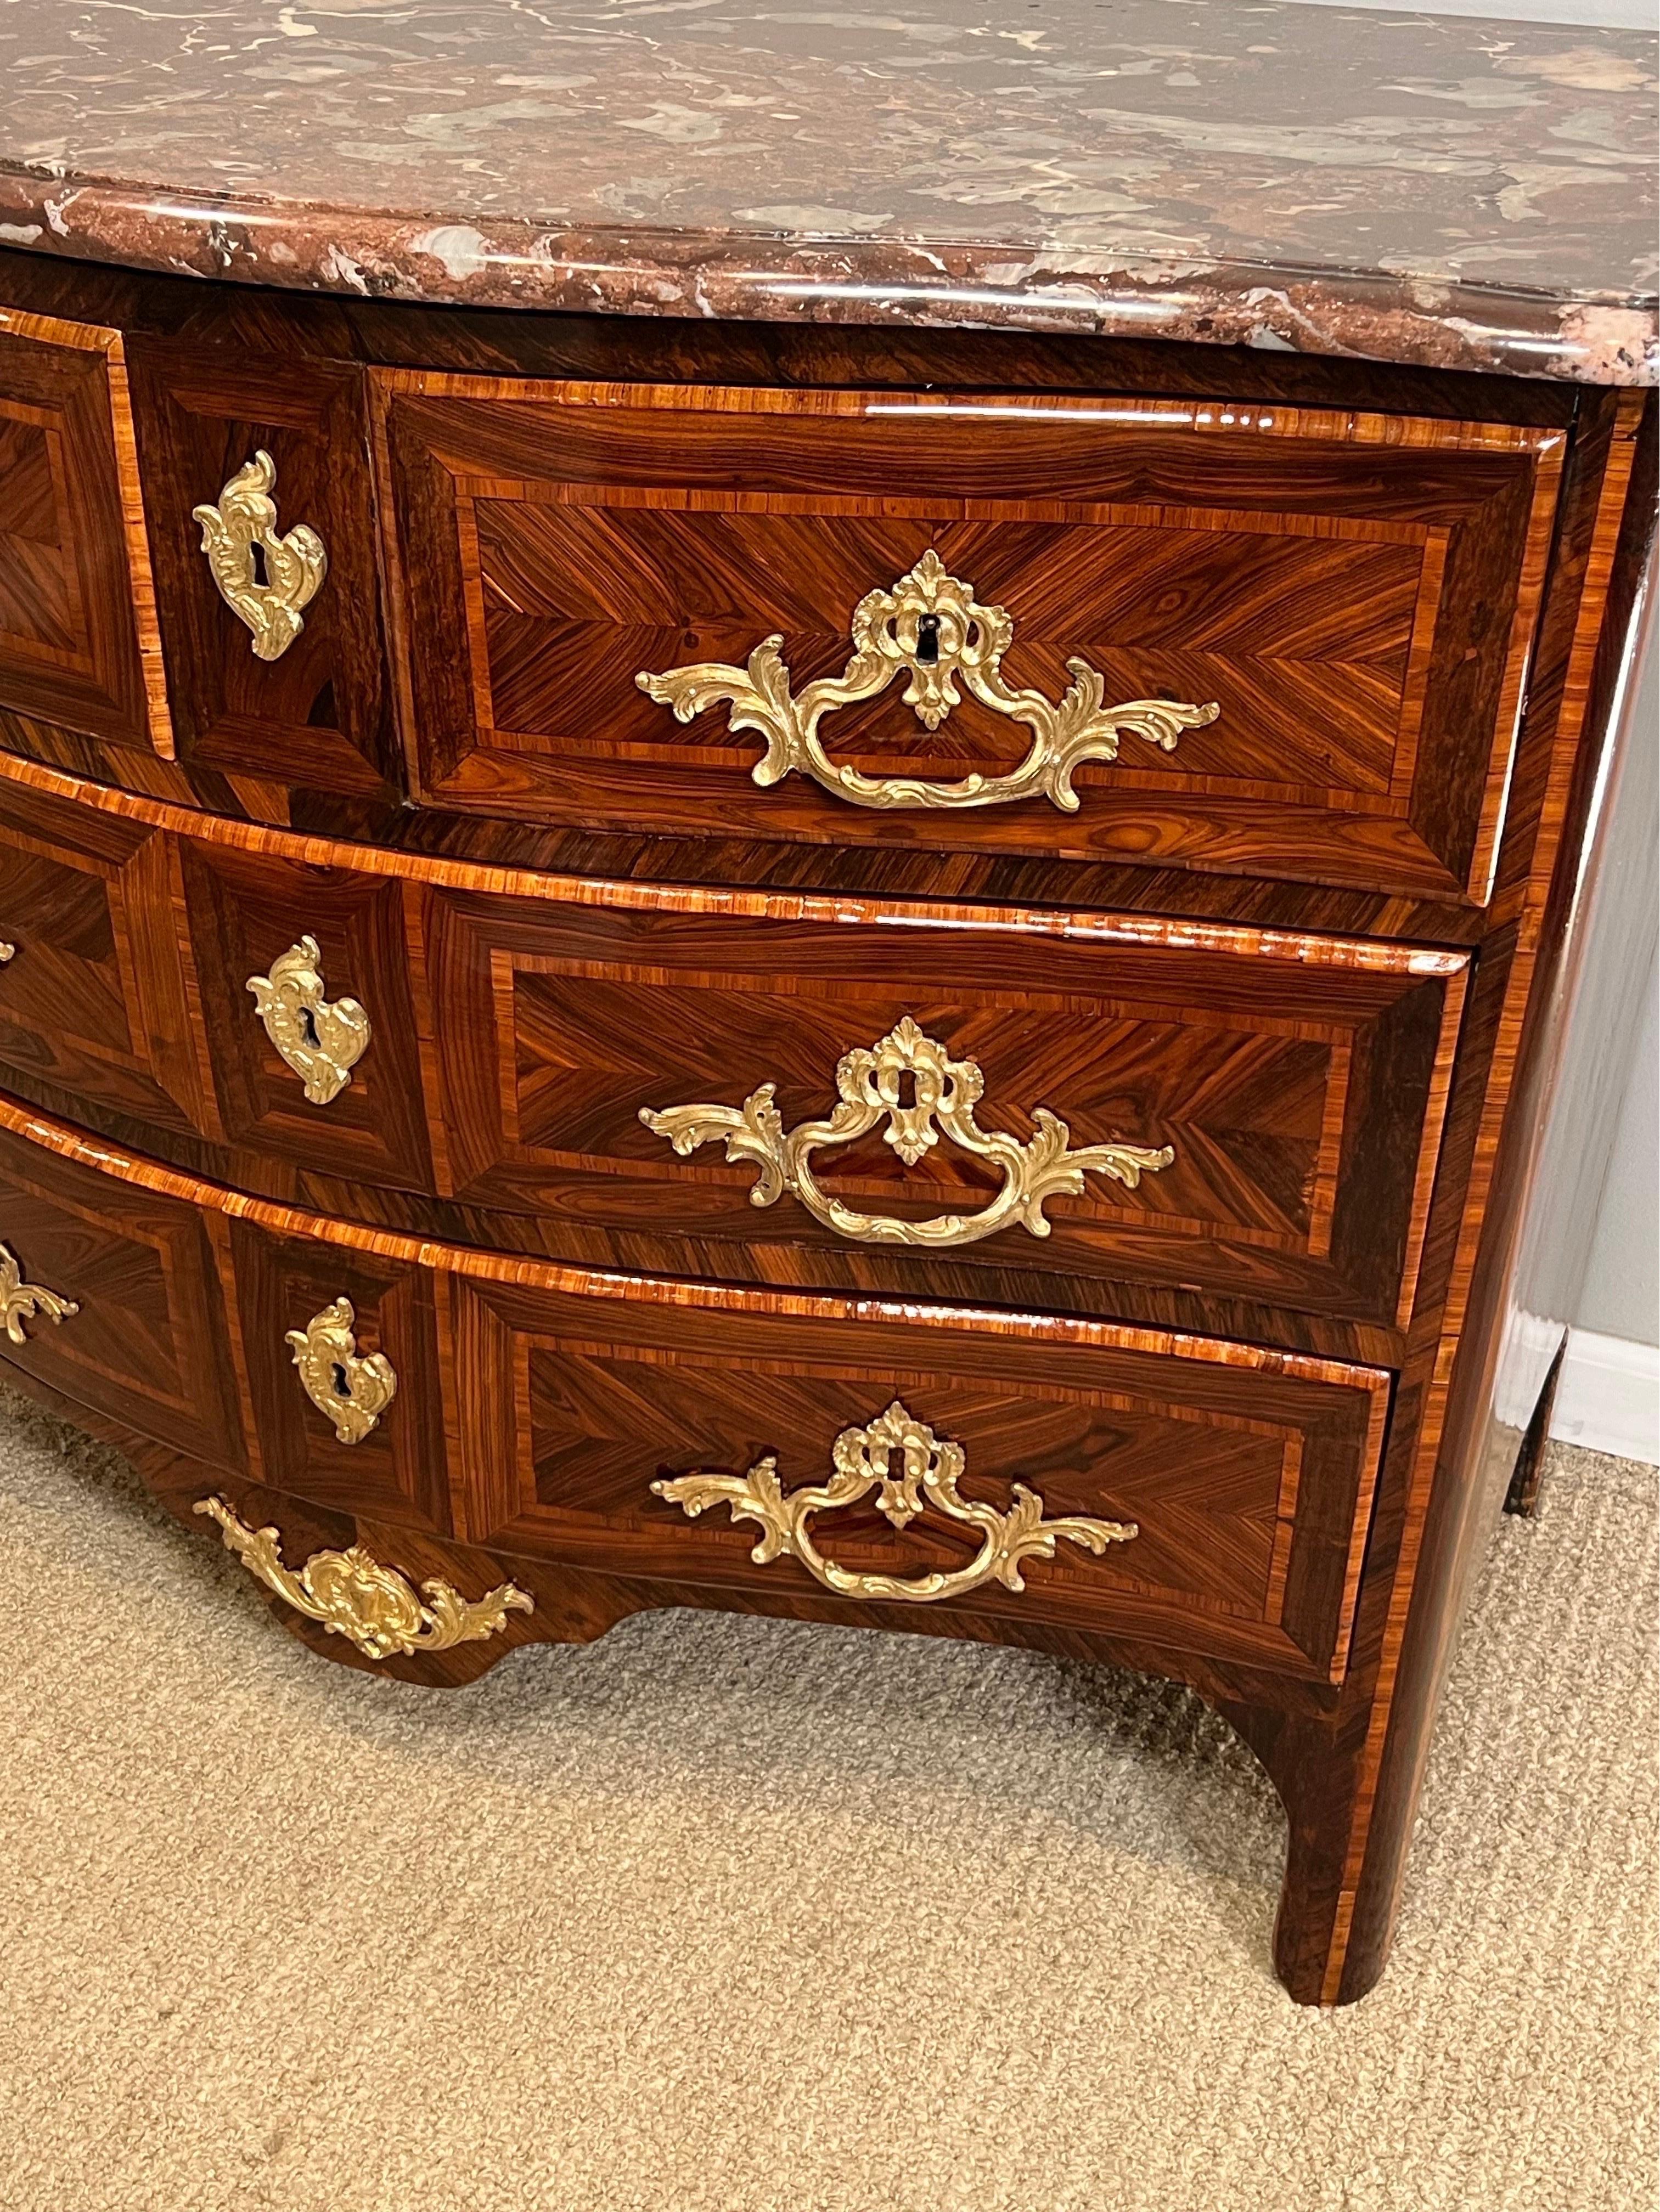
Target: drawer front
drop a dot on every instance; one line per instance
(396, 1468)
(95, 985)
(1344, 603)
(1250, 1114)
(111, 1294)
(77, 630)
(1025, 1107)
(316, 711)
(1209, 1496)
(1220, 1507)
(346, 1099)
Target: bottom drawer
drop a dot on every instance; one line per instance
(1172, 1490)
(1179, 1491)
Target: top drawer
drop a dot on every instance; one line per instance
(909, 620)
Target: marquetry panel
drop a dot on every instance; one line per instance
(1249, 1482)
(1300, 1081)
(149, 1344)
(245, 910)
(1356, 593)
(320, 715)
(77, 632)
(97, 999)
(397, 1471)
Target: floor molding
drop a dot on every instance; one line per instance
(1609, 1397)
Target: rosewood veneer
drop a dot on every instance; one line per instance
(886, 978)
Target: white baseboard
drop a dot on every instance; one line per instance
(1609, 1397)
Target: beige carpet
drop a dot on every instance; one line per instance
(759, 1918)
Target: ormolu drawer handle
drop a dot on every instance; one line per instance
(353, 1388)
(244, 525)
(20, 1301)
(371, 1605)
(946, 1091)
(930, 626)
(322, 1040)
(913, 1469)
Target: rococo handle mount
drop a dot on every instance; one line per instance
(912, 1469)
(930, 627)
(869, 1082)
(20, 1301)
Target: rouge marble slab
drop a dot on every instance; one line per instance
(1453, 192)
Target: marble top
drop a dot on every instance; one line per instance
(1461, 192)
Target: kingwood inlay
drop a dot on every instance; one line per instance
(941, 936)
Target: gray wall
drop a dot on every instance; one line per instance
(1603, 1146)
(1621, 1296)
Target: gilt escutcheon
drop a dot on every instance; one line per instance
(353, 1388)
(239, 536)
(321, 1040)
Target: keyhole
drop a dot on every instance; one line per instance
(904, 1090)
(256, 561)
(342, 1381)
(308, 1023)
(928, 641)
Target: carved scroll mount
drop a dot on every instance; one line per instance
(239, 535)
(929, 627)
(321, 1040)
(20, 1301)
(913, 1471)
(353, 1388)
(944, 1092)
(373, 1606)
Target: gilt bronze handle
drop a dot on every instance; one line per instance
(946, 1091)
(929, 627)
(913, 1471)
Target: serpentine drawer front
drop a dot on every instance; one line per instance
(95, 994)
(668, 1067)
(760, 1088)
(915, 619)
(149, 1343)
(1246, 1478)
(292, 681)
(1170, 1491)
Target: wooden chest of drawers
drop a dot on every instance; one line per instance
(898, 987)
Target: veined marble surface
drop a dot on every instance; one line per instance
(1466, 192)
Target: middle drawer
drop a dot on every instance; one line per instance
(739, 1084)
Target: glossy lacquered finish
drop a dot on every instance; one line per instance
(361, 991)
(1355, 595)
